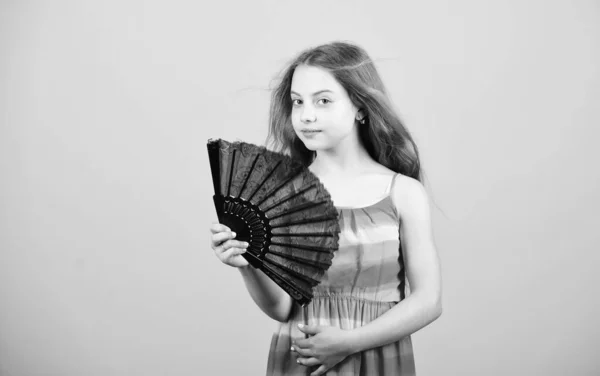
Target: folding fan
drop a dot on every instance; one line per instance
(280, 208)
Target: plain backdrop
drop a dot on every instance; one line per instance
(106, 200)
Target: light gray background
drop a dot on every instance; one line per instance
(105, 110)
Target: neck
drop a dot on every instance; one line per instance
(347, 158)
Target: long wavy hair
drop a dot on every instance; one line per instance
(383, 134)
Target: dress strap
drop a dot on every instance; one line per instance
(392, 183)
(391, 197)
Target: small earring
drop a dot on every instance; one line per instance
(363, 118)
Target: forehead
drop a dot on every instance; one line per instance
(308, 79)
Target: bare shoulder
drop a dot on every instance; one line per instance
(410, 197)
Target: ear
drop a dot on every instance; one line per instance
(360, 115)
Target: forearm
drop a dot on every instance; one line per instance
(269, 297)
(405, 318)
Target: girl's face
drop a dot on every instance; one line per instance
(322, 113)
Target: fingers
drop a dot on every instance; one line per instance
(231, 244)
(309, 362)
(320, 371)
(217, 227)
(303, 343)
(233, 251)
(220, 237)
(228, 251)
(309, 329)
(303, 351)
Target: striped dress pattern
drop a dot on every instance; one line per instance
(366, 278)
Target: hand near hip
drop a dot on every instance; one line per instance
(326, 347)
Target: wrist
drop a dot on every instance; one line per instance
(353, 342)
(244, 269)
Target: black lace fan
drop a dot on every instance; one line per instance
(280, 208)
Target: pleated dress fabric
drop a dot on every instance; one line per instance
(366, 279)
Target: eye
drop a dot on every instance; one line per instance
(323, 101)
(296, 102)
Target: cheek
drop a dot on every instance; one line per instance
(295, 118)
(344, 119)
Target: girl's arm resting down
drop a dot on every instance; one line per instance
(424, 304)
(269, 297)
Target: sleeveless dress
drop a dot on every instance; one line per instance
(366, 279)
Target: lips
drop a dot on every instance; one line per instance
(310, 130)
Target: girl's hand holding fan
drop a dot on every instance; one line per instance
(228, 250)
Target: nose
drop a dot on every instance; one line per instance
(308, 115)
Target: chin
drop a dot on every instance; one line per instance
(312, 145)
(318, 147)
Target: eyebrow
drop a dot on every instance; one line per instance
(315, 93)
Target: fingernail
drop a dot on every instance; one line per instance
(292, 348)
(232, 233)
(300, 325)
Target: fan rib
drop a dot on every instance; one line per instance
(288, 197)
(291, 176)
(308, 220)
(231, 166)
(214, 158)
(300, 207)
(264, 180)
(309, 280)
(300, 234)
(255, 258)
(305, 247)
(288, 286)
(248, 175)
(301, 260)
(237, 209)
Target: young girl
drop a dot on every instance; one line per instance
(331, 112)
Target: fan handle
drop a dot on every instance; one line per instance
(237, 225)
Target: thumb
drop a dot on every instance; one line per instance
(309, 329)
